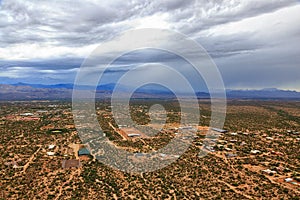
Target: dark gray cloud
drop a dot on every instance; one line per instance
(271, 67)
(254, 43)
(78, 23)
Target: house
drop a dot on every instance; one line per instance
(185, 128)
(209, 148)
(56, 131)
(50, 153)
(219, 130)
(133, 135)
(230, 155)
(254, 151)
(26, 114)
(139, 155)
(83, 151)
(42, 111)
(268, 171)
(52, 106)
(288, 180)
(67, 164)
(142, 155)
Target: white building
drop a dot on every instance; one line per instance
(254, 151)
(50, 153)
(133, 135)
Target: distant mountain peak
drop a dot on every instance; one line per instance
(271, 93)
(58, 91)
(270, 89)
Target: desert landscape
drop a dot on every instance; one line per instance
(256, 158)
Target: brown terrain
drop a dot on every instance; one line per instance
(257, 158)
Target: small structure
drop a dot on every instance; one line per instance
(209, 148)
(254, 151)
(49, 153)
(185, 128)
(42, 111)
(83, 152)
(51, 146)
(56, 131)
(230, 155)
(288, 180)
(52, 106)
(219, 130)
(131, 132)
(26, 114)
(233, 133)
(139, 155)
(67, 164)
(133, 135)
(268, 171)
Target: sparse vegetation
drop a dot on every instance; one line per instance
(229, 171)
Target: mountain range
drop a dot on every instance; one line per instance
(25, 91)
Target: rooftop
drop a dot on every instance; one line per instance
(83, 151)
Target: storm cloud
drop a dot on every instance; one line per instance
(253, 43)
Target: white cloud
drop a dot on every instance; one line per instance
(37, 29)
(232, 31)
(42, 51)
(16, 72)
(154, 21)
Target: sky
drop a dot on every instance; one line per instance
(254, 44)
